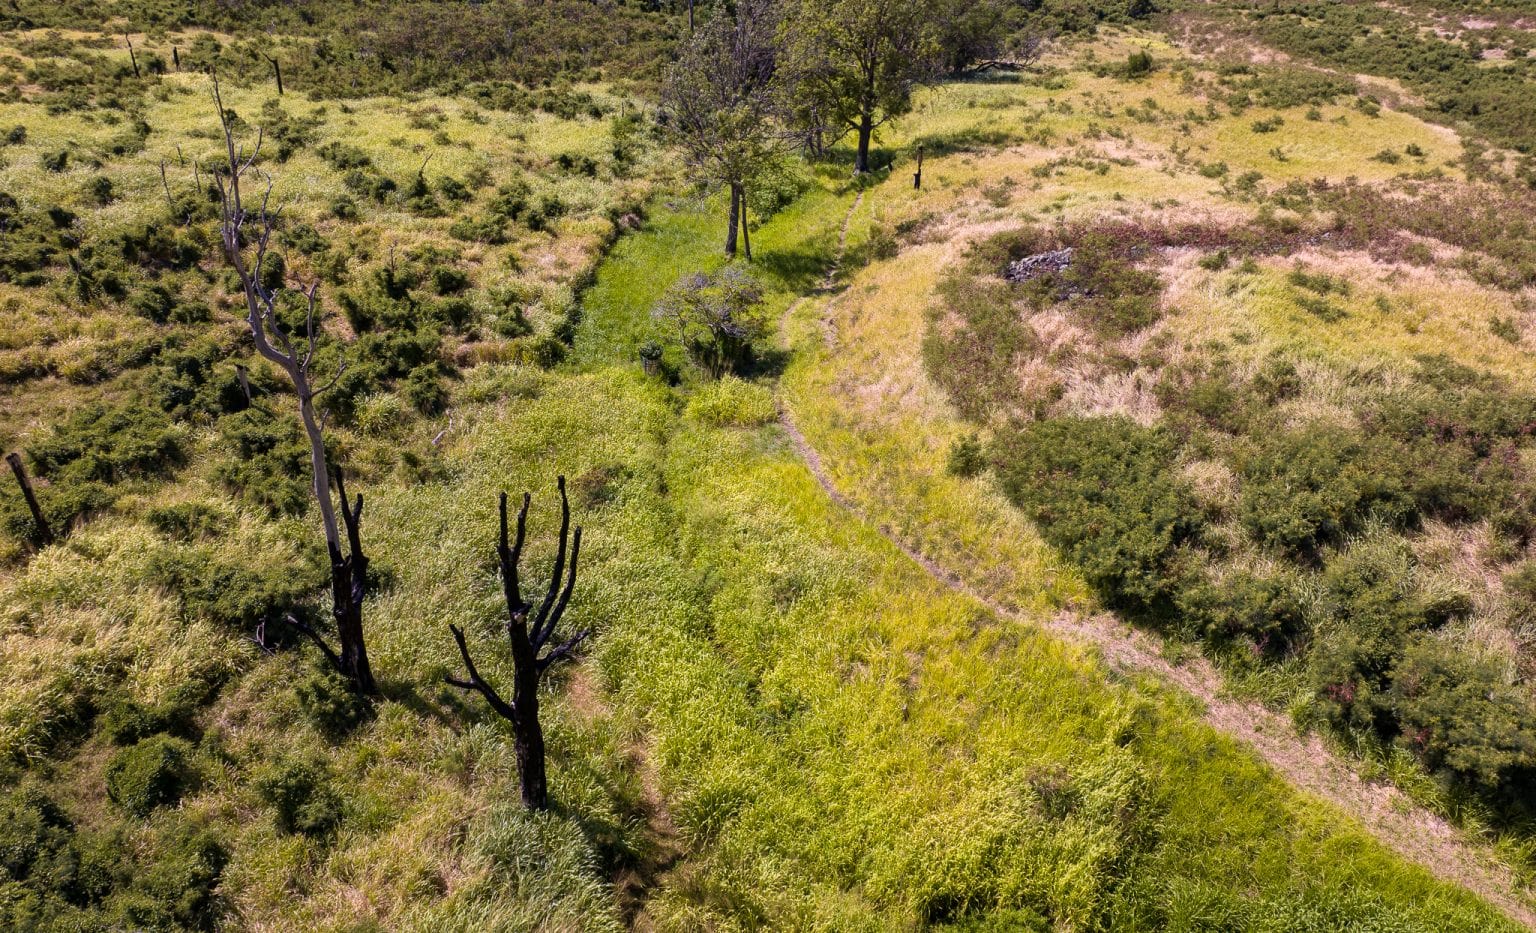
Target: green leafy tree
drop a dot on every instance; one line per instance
(720, 99)
(858, 61)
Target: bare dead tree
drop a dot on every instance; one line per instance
(44, 533)
(247, 240)
(529, 630)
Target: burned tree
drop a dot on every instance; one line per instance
(529, 630)
(246, 240)
(43, 532)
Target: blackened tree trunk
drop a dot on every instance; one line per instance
(277, 72)
(528, 631)
(44, 533)
(746, 225)
(735, 221)
(349, 590)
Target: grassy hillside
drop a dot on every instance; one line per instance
(782, 721)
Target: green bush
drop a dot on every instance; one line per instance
(1103, 490)
(177, 885)
(109, 444)
(967, 457)
(1307, 488)
(1138, 64)
(238, 595)
(1461, 716)
(151, 773)
(330, 704)
(974, 343)
(423, 389)
(187, 521)
(268, 462)
(300, 793)
(1262, 609)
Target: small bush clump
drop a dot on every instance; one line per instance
(153, 772)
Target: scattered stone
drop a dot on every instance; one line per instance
(1032, 267)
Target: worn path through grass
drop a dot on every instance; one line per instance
(1304, 761)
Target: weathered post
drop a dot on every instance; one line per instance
(244, 375)
(132, 57)
(917, 177)
(44, 533)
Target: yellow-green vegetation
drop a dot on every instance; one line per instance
(781, 720)
(1386, 305)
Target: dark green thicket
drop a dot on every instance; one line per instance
(300, 793)
(238, 595)
(1104, 492)
(349, 49)
(54, 876)
(1373, 39)
(1310, 505)
(150, 773)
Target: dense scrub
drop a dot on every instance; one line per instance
(1446, 66)
(1298, 565)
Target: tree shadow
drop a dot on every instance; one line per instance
(798, 267)
(970, 140)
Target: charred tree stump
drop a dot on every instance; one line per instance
(44, 533)
(528, 631)
(917, 177)
(132, 57)
(176, 57)
(277, 72)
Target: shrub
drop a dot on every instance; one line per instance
(967, 457)
(1103, 491)
(267, 462)
(100, 190)
(55, 161)
(1102, 285)
(975, 340)
(423, 390)
(153, 772)
(104, 444)
(1307, 488)
(300, 794)
(176, 885)
(1138, 64)
(237, 595)
(732, 402)
(716, 318)
(1461, 716)
(330, 704)
(1264, 609)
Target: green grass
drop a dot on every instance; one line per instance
(781, 721)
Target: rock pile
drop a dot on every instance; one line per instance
(1032, 267)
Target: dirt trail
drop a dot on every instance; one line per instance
(1381, 809)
